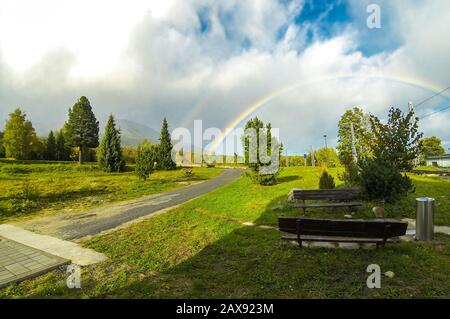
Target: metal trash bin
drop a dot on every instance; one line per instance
(425, 219)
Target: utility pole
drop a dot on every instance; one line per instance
(354, 154)
(410, 106)
(313, 160)
(287, 159)
(411, 109)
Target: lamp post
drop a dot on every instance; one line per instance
(325, 137)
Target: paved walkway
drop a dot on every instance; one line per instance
(19, 262)
(72, 226)
(51, 245)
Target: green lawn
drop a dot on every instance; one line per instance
(201, 249)
(35, 188)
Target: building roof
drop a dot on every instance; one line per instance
(440, 157)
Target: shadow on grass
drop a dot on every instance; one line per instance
(253, 262)
(287, 179)
(191, 255)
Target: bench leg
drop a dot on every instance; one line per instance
(299, 237)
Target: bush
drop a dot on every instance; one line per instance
(265, 180)
(326, 181)
(145, 160)
(28, 192)
(381, 180)
(188, 173)
(212, 164)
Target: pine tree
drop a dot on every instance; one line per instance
(62, 154)
(19, 137)
(82, 127)
(50, 153)
(165, 149)
(110, 151)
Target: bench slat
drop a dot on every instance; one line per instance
(334, 239)
(325, 194)
(375, 229)
(318, 205)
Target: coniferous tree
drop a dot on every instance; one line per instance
(110, 151)
(145, 159)
(19, 138)
(62, 153)
(82, 127)
(50, 152)
(165, 149)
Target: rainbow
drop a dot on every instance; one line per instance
(256, 105)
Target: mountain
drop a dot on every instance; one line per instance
(132, 133)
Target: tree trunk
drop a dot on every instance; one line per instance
(80, 155)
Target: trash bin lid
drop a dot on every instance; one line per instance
(425, 199)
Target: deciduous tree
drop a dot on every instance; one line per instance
(431, 146)
(19, 137)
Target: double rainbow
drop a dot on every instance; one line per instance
(256, 105)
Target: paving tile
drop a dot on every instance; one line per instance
(19, 262)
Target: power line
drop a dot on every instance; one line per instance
(427, 99)
(432, 113)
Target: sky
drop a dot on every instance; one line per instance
(298, 64)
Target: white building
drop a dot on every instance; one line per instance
(441, 161)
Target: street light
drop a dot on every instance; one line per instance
(325, 137)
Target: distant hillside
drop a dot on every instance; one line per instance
(133, 133)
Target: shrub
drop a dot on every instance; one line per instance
(28, 192)
(188, 173)
(265, 180)
(380, 179)
(145, 160)
(212, 164)
(326, 181)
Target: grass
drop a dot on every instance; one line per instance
(202, 250)
(35, 188)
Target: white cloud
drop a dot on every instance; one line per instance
(144, 66)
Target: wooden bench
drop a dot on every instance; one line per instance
(341, 230)
(430, 172)
(343, 196)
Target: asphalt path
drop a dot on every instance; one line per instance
(89, 225)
